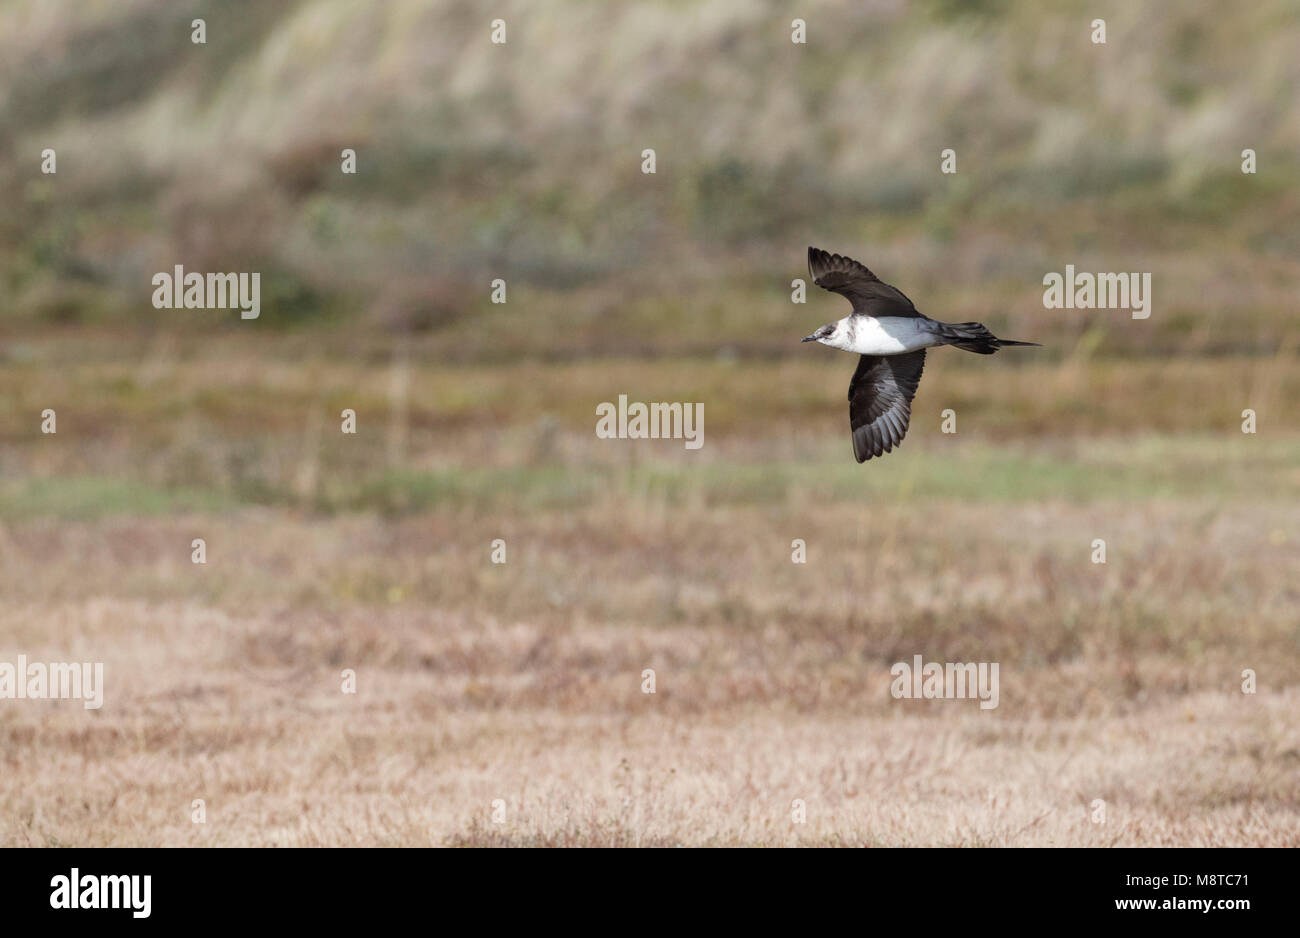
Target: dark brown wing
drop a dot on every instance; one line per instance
(869, 295)
(880, 401)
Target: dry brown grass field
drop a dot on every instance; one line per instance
(522, 681)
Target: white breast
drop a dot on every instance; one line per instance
(890, 335)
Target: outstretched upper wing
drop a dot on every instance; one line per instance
(869, 295)
(880, 401)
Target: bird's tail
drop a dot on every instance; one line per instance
(974, 337)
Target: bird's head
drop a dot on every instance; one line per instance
(825, 335)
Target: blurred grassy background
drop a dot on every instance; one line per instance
(476, 421)
(522, 161)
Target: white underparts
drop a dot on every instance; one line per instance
(890, 335)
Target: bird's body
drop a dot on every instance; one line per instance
(891, 337)
(888, 335)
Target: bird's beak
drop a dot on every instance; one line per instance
(809, 338)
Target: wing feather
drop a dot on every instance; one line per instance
(869, 295)
(880, 401)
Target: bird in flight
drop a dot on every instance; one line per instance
(890, 337)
